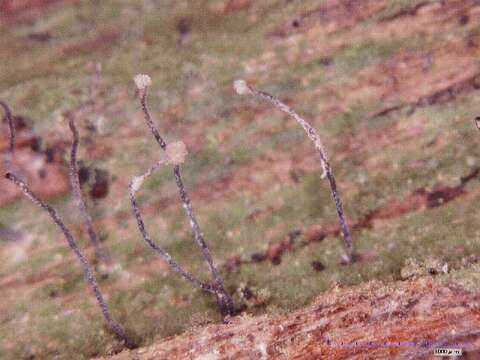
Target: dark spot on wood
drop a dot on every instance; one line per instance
(101, 185)
(292, 235)
(464, 19)
(7, 234)
(52, 293)
(76, 92)
(40, 36)
(296, 23)
(247, 293)
(443, 195)
(103, 236)
(91, 128)
(183, 26)
(317, 266)
(465, 179)
(49, 154)
(276, 260)
(258, 257)
(325, 61)
(104, 276)
(294, 175)
(42, 173)
(83, 173)
(36, 144)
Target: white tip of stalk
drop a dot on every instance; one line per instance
(445, 268)
(136, 183)
(324, 171)
(142, 81)
(241, 87)
(176, 152)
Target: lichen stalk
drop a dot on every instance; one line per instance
(100, 253)
(88, 272)
(134, 187)
(242, 88)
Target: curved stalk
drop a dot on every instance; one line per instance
(100, 253)
(242, 88)
(88, 272)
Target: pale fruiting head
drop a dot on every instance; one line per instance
(176, 152)
(142, 81)
(241, 87)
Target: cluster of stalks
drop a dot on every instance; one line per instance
(172, 154)
(72, 243)
(224, 300)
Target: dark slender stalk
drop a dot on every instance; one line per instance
(243, 88)
(11, 125)
(134, 186)
(100, 253)
(116, 327)
(224, 300)
(148, 119)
